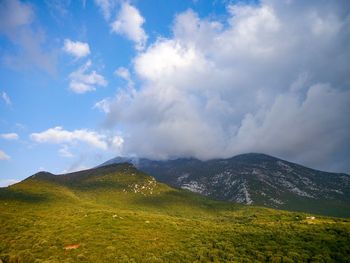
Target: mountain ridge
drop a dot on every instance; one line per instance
(254, 178)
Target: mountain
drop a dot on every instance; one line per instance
(255, 179)
(116, 213)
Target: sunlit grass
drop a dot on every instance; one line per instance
(110, 222)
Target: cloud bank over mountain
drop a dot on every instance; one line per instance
(271, 77)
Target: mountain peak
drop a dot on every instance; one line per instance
(256, 178)
(254, 157)
(41, 175)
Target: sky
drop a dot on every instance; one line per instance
(88, 80)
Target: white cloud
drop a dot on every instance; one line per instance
(273, 77)
(9, 136)
(6, 98)
(76, 49)
(152, 66)
(116, 142)
(103, 105)
(16, 24)
(15, 14)
(65, 152)
(58, 9)
(58, 135)
(106, 6)
(125, 74)
(7, 182)
(129, 23)
(4, 156)
(302, 129)
(82, 82)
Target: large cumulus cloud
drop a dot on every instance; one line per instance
(272, 77)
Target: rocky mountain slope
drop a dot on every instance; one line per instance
(255, 179)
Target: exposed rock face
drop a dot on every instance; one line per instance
(255, 179)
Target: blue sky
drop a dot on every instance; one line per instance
(84, 81)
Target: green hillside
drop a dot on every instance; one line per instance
(254, 178)
(118, 214)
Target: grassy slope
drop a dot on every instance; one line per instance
(113, 220)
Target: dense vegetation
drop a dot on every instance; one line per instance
(117, 214)
(255, 178)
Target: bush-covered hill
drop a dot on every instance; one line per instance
(118, 214)
(257, 179)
